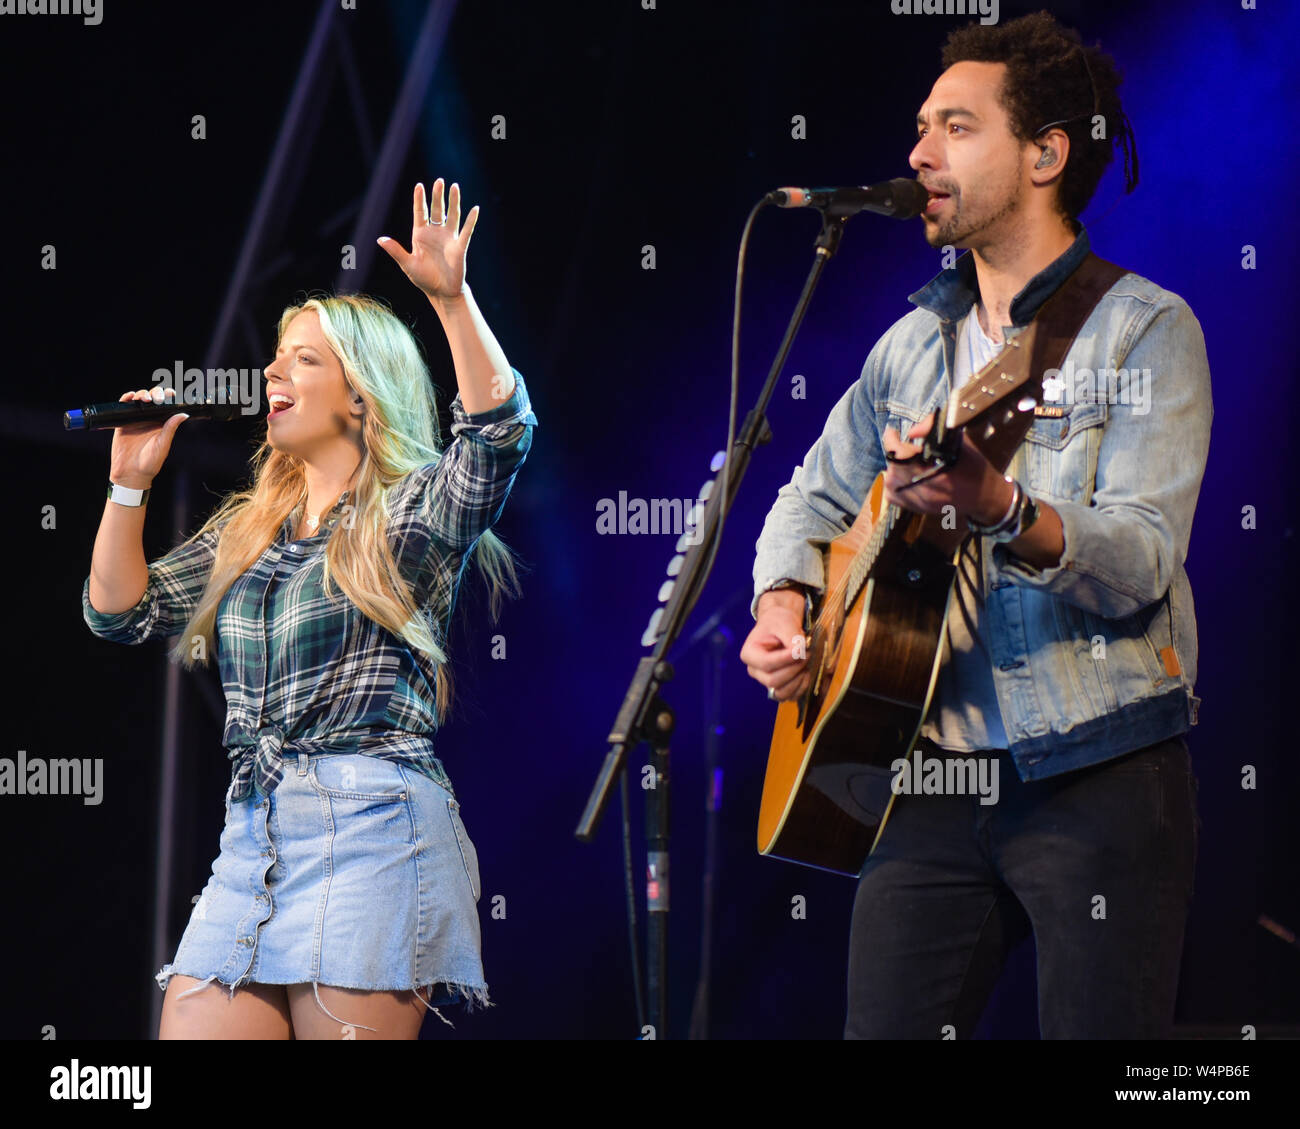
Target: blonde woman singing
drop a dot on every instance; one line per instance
(343, 902)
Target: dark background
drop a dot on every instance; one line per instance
(625, 127)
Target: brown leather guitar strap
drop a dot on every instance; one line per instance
(1060, 318)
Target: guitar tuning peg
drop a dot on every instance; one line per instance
(715, 464)
(666, 590)
(675, 565)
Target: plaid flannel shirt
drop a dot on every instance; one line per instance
(304, 672)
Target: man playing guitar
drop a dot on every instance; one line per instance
(1070, 647)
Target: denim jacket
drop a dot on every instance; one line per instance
(1096, 656)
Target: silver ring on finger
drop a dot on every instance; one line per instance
(771, 693)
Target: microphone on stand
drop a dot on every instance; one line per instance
(901, 198)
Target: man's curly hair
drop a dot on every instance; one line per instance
(1052, 77)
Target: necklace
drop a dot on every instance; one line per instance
(312, 522)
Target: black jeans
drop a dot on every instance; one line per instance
(1098, 862)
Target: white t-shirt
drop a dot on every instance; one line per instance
(964, 715)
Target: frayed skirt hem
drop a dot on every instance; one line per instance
(474, 997)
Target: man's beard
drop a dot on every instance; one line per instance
(959, 228)
(945, 233)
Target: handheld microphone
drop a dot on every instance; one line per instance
(901, 198)
(94, 417)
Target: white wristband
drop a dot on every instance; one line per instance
(125, 496)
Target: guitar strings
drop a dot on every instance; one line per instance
(837, 594)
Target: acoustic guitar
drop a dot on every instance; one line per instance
(876, 645)
(877, 641)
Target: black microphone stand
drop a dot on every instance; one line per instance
(644, 715)
(720, 640)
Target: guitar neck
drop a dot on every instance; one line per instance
(995, 408)
(865, 559)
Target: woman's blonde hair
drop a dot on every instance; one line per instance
(382, 363)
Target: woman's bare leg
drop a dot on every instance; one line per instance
(256, 1011)
(393, 1015)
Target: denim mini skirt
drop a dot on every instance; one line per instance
(355, 872)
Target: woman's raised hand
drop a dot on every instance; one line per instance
(436, 261)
